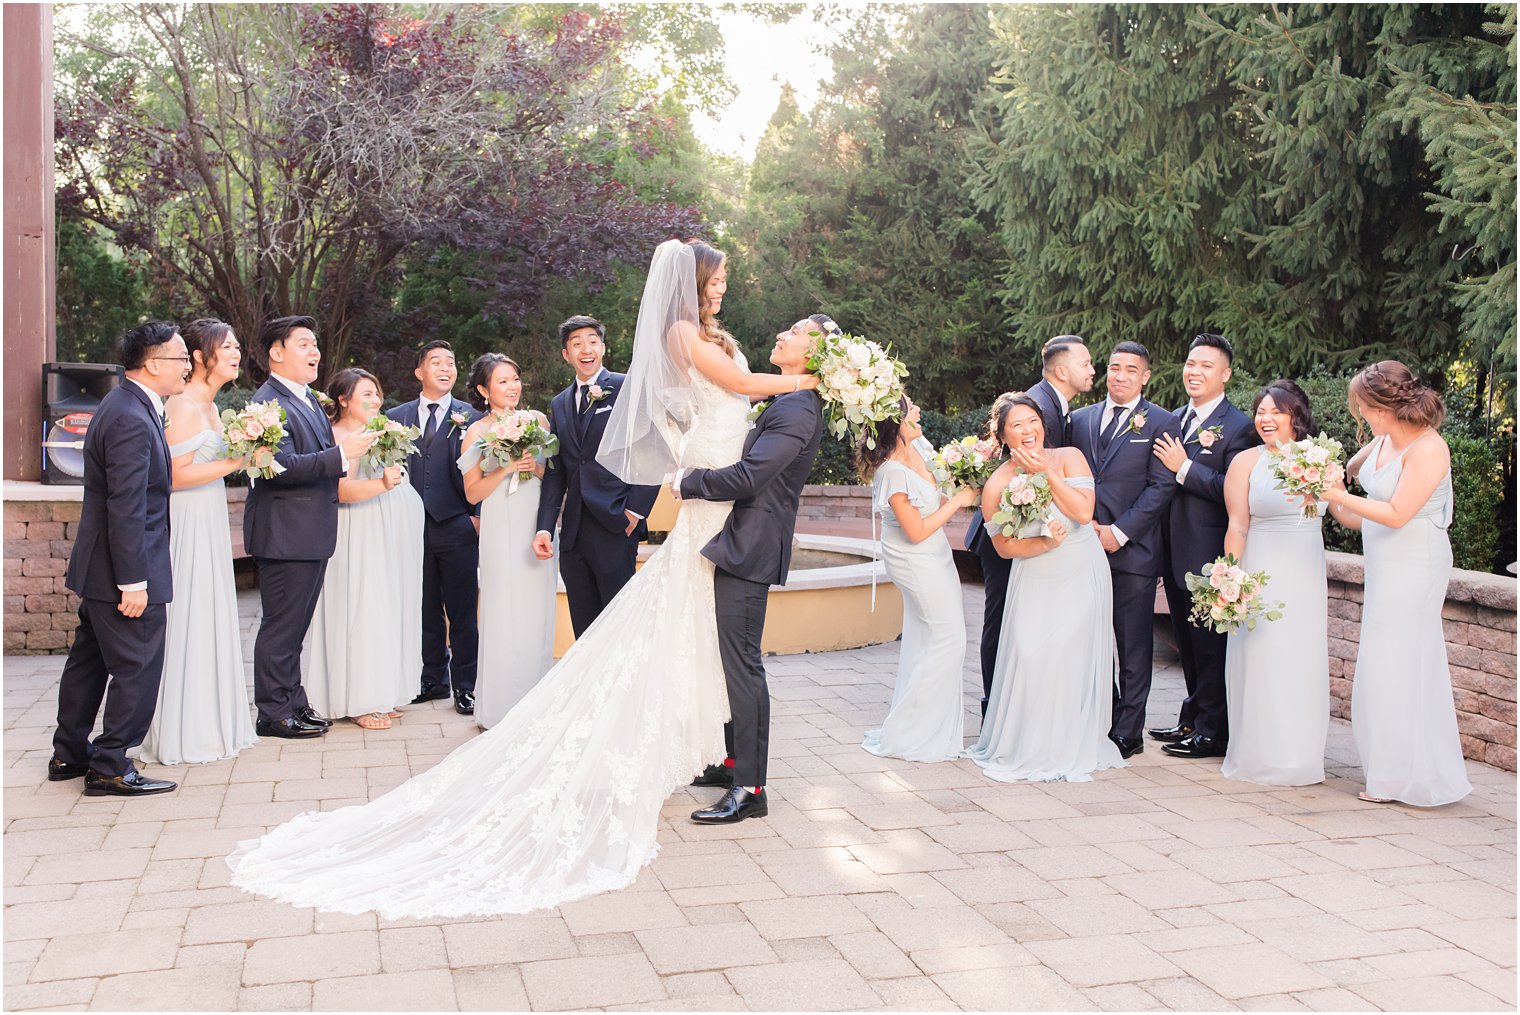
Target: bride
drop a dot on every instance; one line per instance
(562, 798)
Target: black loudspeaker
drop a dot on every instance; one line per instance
(70, 394)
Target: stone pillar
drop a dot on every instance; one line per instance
(29, 255)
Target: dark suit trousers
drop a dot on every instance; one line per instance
(995, 571)
(741, 621)
(1134, 636)
(119, 661)
(593, 575)
(288, 591)
(450, 602)
(1202, 653)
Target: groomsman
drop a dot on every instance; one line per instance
(290, 526)
(450, 532)
(601, 518)
(1133, 490)
(1067, 370)
(1213, 433)
(120, 570)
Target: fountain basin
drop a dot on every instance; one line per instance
(824, 606)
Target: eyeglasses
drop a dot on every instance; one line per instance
(178, 359)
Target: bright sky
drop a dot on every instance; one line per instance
(761, 58)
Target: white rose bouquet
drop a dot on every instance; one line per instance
(966, 463)
(256, 426)
(1308, 467)
(860, 383)
(1227, 596)
(396, 442)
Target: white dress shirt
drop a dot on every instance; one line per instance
(1202, 412)
(1109, 408)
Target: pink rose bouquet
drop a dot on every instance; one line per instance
(509, 435)
(256, 426)
(966, 463)
(396, 443)
(1309, 467)
(1024, 505)
(1226, 597)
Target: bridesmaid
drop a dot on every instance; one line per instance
(365, 640)
(926, 721)
(1051, 703)
(517, 590)
(1277, 677)
(202, 712)
(1401, 706)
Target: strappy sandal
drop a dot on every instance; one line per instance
(393, 714)
(371, 721)
(1368, 798)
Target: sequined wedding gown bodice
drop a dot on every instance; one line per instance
(561, 798)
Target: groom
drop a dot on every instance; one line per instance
(751, 554)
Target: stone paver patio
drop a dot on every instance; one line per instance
(873, 884)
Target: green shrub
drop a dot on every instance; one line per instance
(1476, 487)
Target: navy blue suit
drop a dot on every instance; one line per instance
(290, 528)
(1133, 490)
(123, 539)
(1194, 532)
(450, 548)
(750, 554)
(596, 555)
(995, 567)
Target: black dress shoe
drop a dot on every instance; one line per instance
(1171, 734)
(290, 729)
(464, 702)
(131, 784)
(431, 692)
(62, 771)
(1128, 747)
(715, 775)
(1195, 747)
(308, 715)
(737, 804)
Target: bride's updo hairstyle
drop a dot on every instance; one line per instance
(709, 260)
(341, 388)
(869, 459)
(481, 372)
(997, 419)
(1289, 398)
(1389, 385)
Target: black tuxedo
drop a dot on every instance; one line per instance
(450, 548)
(1133, 490)
(995, 567)
(290, 528)
(751, 553)
(1194, 536)
(596, 557)
(123, 539)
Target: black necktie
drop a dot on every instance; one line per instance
(1113, 427)
(1188, 418)
(582, 399)
(431, 430)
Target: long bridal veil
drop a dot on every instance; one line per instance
(642, 443)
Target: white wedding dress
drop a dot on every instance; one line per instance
(561, 799)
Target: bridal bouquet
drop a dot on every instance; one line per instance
(1227, 596)
(967, 463)
(860, 383)
(256, 426)
(1309, 466)
(511, 434)
(1024, 504)
(396, 443)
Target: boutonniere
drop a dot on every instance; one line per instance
(458, 421)
(1206, 437)
(322, 399)
(757, 409)
(596, 393)
(1137, 421)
